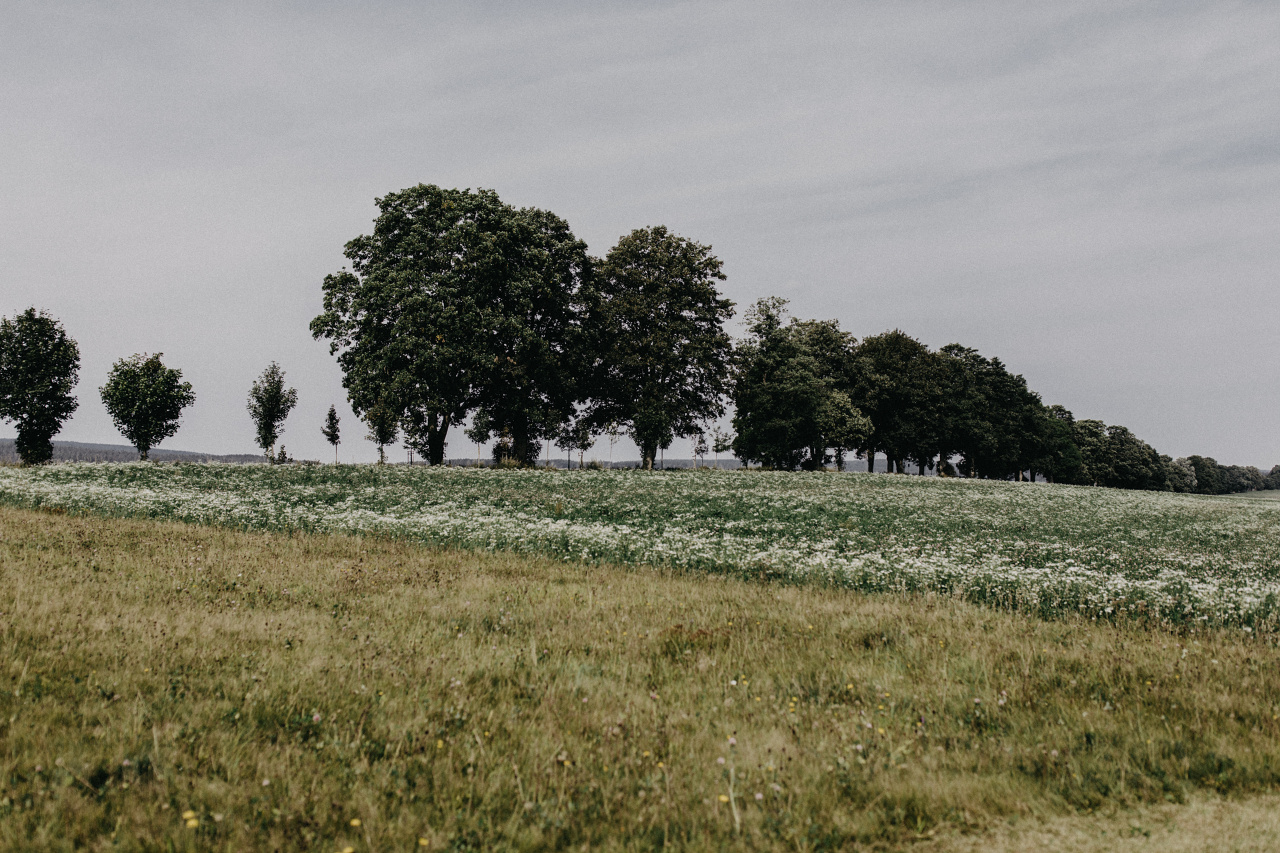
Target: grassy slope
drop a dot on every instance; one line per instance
(1049, 550)
(202, 656)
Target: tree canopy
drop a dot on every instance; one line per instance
(145, 399)
(459, 306)
(269, 404)
(39, 365)
(458, 302)
(788, 403)
(656, 331)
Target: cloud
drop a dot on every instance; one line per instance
(1087, 190)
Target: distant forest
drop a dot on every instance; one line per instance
(75, 451)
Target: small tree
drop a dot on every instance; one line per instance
(330, 431)
(699, 447)
(383, 427)
(39, 366)
(576, 436)
(614, 432)
(145, 399)
(721, 442)
(269, 404)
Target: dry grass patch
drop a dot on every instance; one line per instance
(1205, 824)
(168, 686)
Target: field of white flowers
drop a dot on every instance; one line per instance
(1039, 548)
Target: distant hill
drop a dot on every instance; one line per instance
(75, 451)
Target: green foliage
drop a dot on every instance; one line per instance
(39, 365)
(989, 416)
(381, 418)
(331, 431)
(458, 302)
(789, 408)
(1211, 478)
(1059, 458)
(1133, 464)
(145, 400)
(269, 404)
(895, 381)
(576, 436)
(459, 306)
(656, 328)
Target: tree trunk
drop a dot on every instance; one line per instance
(436, 432)
(647, 453)
(871, 461)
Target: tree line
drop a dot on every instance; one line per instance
(461, 309)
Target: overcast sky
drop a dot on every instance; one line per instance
(1089, 191)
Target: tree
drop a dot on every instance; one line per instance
(1271, 480)
(536, 351)
(788, 408)
(721, 442)
(39, 365)
(988, 416)
(455, 302)
(1059, 458)
(1181, 474)
(1091, 438)
(1209, 475)
(700, 448)
(894, 383)
(1134, 464)
(331, 432)
(145, 399)
(575, 435)
(269, 404)
(405, 322)
(381, 418)
(1242, 478)
(656, 325)
(841, 424)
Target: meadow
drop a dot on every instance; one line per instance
(169, 686)
(1178, 560)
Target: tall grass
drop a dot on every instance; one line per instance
(176, 687)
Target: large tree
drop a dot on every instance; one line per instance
(535, 350)
(269, 404)
(1134, 464)
(1059, 458)
(145, 399)
(789, 407)
(39, 365)
(1091, 438)
(457, 302)
(990, 417)
(657, 328)
(894, 383)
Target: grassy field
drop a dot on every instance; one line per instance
(175, 687)
(1050, 550)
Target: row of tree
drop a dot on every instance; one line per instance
(807, 393)
(40, 365)
(459, 308)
